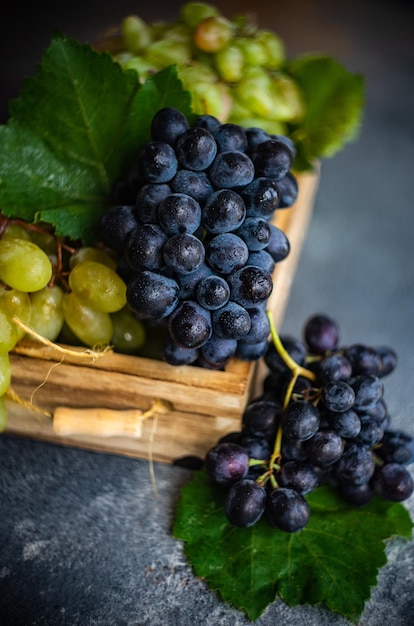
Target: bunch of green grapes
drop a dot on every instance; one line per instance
(233, 69)
(72, 296)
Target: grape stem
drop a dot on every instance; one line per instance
(297, 370)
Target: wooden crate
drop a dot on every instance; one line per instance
(205, 404)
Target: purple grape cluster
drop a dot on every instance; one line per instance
(194, 235)
(321, 418)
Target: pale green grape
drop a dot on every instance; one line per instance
(13, 231)
(168, 51)
(23, 265)
(255, 91)
(8, 335)
(3, 413)
(192, 13)
(129, 332)
(47, 312)
(88, 253)
(5, 373)
(253, 51)
(136, 34)
(288, 103)
(13, 303)
(275, 49)
(98, 286)
(213, 33)
(90, 326)
(230, 64)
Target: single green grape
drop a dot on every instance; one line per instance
(167, 52)
(16, 231)
(129, 332)
(213, 33)
(255, 91)
(92, 327)
(253, 51)
(230, 64)
(47, 313)
(98, 286)
(192, 13)
(23, 265)
(135, 33)
(288, 104)
(89, 253)
(5, 373)
(274, 47)
(3, 413)
(13, 303)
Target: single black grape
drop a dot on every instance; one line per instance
(272, 158)
(179, 213)
(226, 462)
(396, 447)
(392, 481)
(147, 200)
(230, 137)
(297, 475)
(338, 396)
(368, 390)
(116, 224)
(356, 466)
(321, 334)
(250, 285)
(212, 292)
(190, 325)
(279, 244)
(288, 188)
(195, 184)
(256, 232)
(223, 212)
(159, 162)
(168, 124)
(144, 248)
(226, 253)
(261, 197)
(325, 447)
(261, 418)
(152, 295)
(287, 509)
(300, 420)
(196, 149)
(231, 321)
(363, 359)
(245, 503)
(232, 170)
(183, 253)
(218, 350)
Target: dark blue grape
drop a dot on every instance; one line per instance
(223, 212)
(245, 503)
(297, 475)
(392, 481)
(321, 333)
(116, 224)
(256, 447)
(255, 136)
(209, 122)
(247, 351)
(261, 418)
(356, 465)
(144, 247)
(159, 162)
(300, 420)
(288, 188)
(190, 325)
(363, 359)
(338, 396)
(357, 495)
(226, 253)
(217, 350)
(231, 321)
(260, 328)
(188, 282)
(250, 285)
(396, 447)
(179, 213)
(347, 424)
(333, 368)
(177, 355)
(287, 509)
(368, 391)
(256, 233)
(324, 448)
(288, 141)
(195, 184)
(226, 463)
(230, 137)
(212, 292)
(261, 197)
(388, 358)
(231, 170)
(196, 149)
(262, 259)
(272, 159)
(371, 431)
(168, 124)
(152, 295)
(148, 198)
(183, 253)
(279, 244)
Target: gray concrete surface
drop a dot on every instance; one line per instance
(84, 541)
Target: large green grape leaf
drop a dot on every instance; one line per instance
(73, 130)
(334, 100)
(333, 561)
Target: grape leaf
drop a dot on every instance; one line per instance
(334, 105)
(73, 130)
(250, 566)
